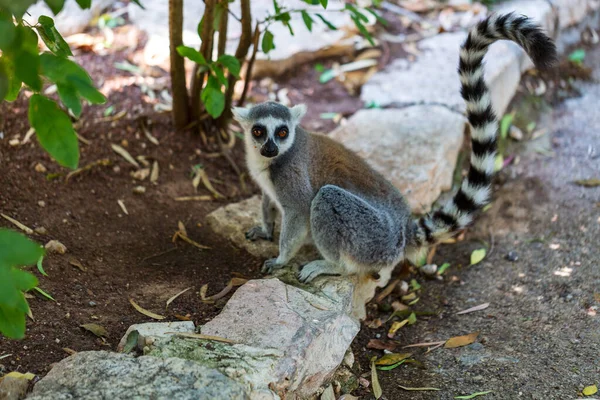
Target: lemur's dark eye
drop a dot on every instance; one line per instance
(257, 131)
(283, 132)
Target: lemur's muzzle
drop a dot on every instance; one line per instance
(269, 149)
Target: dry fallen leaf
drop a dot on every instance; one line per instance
(425, 344)
(387, 291)
(476, 308)
(69, 351)
(392, 358)
(96, 329)
(125, 154)
(194, 198)
(459, 341)
(588, 182)
(76, 263)
(375, 380)
(417, 388)
(472, 396)
(14, 374)
(154, 173)
(590, 390)
(395, 326)
(381, 345)
(122, 205)
(477, 256)
(145, 312)
(199, 336)
(24, 228)
(176, 296)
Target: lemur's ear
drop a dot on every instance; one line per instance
(241, 114)
(298, 112)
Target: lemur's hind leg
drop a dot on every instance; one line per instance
(346, 227)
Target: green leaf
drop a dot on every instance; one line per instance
(84, 3)
(323, 3)
(327, 76)
(231, 63)
(285, 19)
(443, 268)
(477, 256)
(55, 5)
(43, 293)
(326, 22)
(12, 321)
(213, 98)
(192, 54)
(220, 75)
(267, 42)
(378, 17)
(390, 367)
(353, 10)
(362, 29)
(414, 284)
(375, 379)
(131, 341)
(505, 124)
(54, 130)
(139, 4)
(17, 250)
(412, 318)
(70, 77)
(27, 69)
(40, 267)
(52, 37)
(68, 95)
(577, 56)
(276, 7)
(308, 21)
(472, 396)
(8, 31)
(14, 84)
(4, 81)
(16, 7)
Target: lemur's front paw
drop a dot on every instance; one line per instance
(270, 265)
(258, 232)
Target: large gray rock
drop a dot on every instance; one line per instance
(72, 19)
(151, 331)
(98, 375)
(154, 20)
(432, 78)
(572, 12)
(416, 148)
(312, 332)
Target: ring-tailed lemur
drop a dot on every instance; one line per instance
(359, 222)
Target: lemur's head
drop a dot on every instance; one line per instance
(269, 127)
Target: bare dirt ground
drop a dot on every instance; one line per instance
(540, 336)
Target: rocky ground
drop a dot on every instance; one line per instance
(540, 336)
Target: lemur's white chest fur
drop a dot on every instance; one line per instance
(258, 167)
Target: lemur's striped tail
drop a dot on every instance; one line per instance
(475, 190)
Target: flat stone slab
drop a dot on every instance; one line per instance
(105, 375)
(416, 148)
(432, 78)
(156, 330)
(72, 19)
(154, 20)
(311, 331)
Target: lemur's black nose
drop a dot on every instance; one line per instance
(269, 149)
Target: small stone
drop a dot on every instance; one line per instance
(515, 133)
(429, 269)
(57, 340)
(54, 246)
(14, 142)
(41, 231)
(349, 358)
(39, 167)
(402, 288)
(116, 169)
(512, 256)
(141, 174)
(139, 190)
(92, 303)
(42, 203)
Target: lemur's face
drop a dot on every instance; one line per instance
(270, 128)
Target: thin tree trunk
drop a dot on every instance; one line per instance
(178, 85)
(240, 53)
(248, 77)
(223, 23)
(206, 36)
